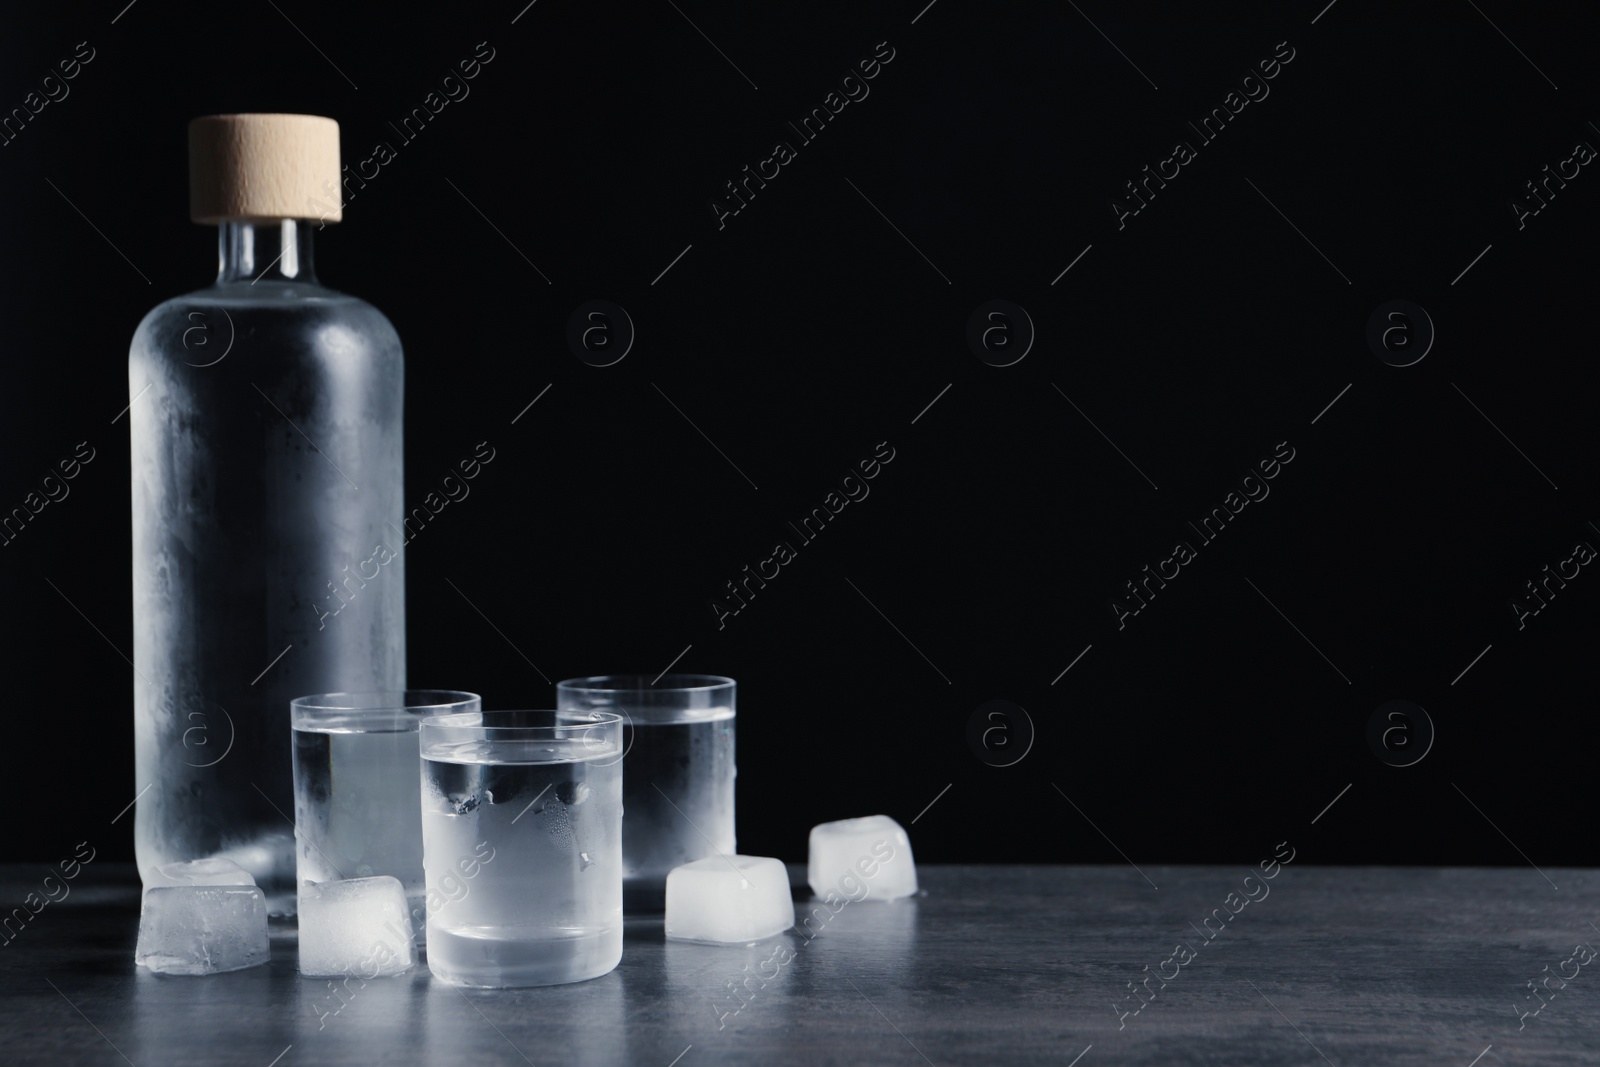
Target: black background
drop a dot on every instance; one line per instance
(808, 330)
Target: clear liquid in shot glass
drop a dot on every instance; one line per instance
(538, 826)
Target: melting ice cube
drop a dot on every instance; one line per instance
(202, 929)
(861, 859)
(728, 899)
(358, 926)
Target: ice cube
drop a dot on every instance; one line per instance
(861, 859)
(202, 929)
(359, 926)
(212, 871)
(728, 900)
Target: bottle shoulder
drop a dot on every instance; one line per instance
(298, 314)
(267, 296)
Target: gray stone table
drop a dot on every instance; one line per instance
(991, 965)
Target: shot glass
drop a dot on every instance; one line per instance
(356, 794)
(677, 780)
(522, 843)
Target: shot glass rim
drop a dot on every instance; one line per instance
(467, 726)
(346, 702)
(458, 720)
(643, 684)
(375, 710)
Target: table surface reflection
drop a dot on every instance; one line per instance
(989, 965)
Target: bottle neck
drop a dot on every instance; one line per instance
(277, 250)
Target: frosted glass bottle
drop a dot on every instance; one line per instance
(266, 426)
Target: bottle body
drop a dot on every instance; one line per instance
(267, 508)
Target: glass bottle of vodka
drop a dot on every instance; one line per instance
(267, 481)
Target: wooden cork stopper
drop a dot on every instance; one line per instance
(262, 167)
